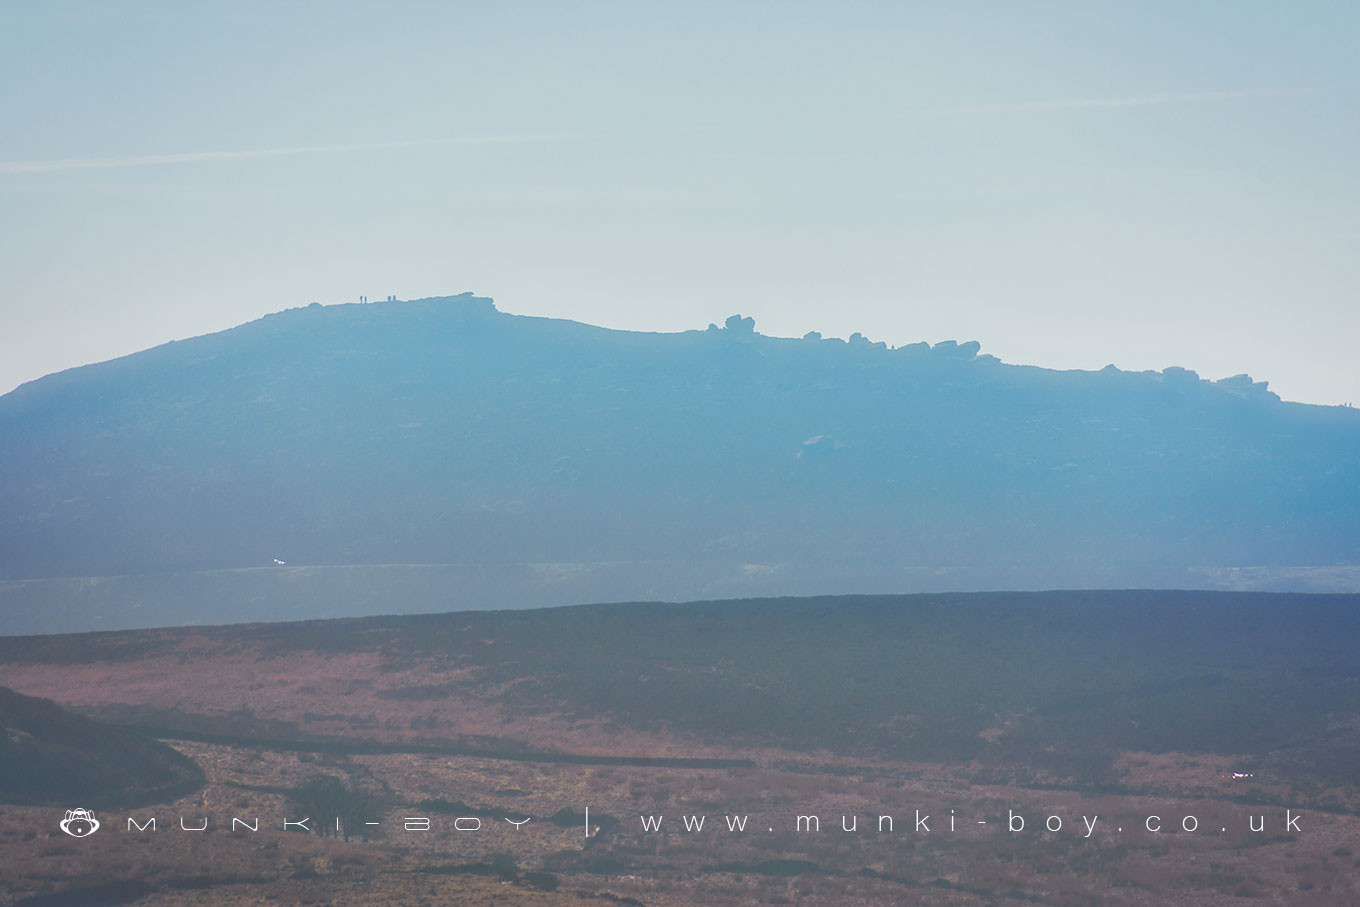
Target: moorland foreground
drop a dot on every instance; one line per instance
(1116, 705)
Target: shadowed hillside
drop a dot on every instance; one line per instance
(613, 464)
(52, 757)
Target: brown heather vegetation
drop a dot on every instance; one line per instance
(339, 717)
(502, 865)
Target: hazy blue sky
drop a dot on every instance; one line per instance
(1071, 184)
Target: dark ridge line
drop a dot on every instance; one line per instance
(370, 748)
(399, 621)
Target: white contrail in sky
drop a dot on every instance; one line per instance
(195, 157)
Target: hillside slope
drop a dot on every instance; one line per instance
(52, 757)
(442, 431)
(1044, 684)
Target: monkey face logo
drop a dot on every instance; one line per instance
(79, 823)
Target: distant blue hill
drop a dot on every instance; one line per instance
(545, 461)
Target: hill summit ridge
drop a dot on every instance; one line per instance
(699, 464)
